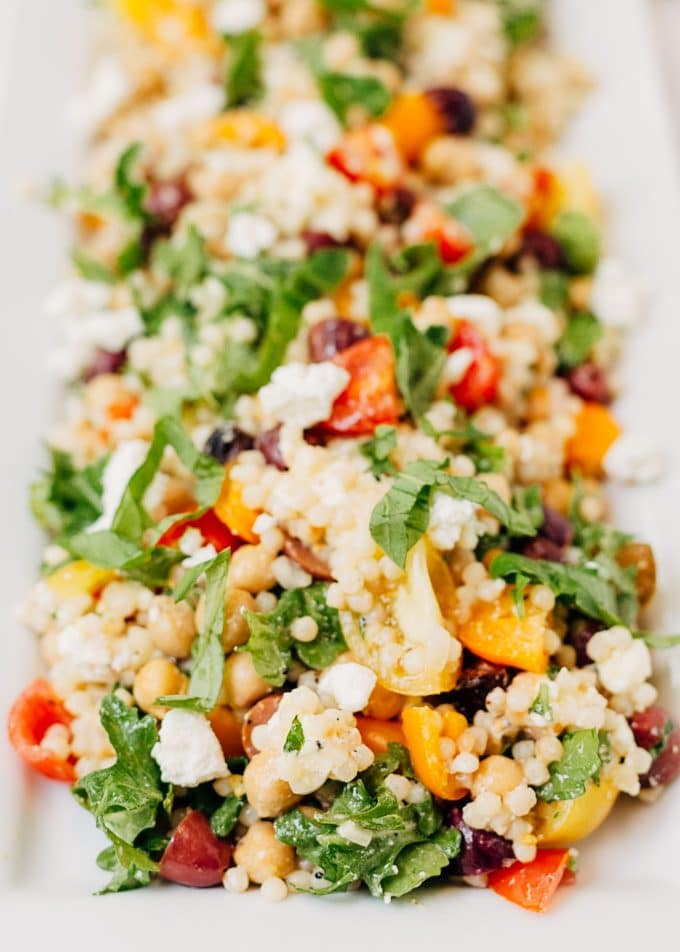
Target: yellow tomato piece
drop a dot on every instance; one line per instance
(565, 822)
(424, 729)
(496, 633)
(420, 606)
(578, 191)
(78, 578)
(241, 127)
(414, 121)
(232, 511)
(442, 8)
(172, 24)
(596, 430)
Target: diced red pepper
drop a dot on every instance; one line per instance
(368, 155)
(36, 710)
(531, 885)
(479, 384)
(211, 528)
(431, 223)
(370, 397)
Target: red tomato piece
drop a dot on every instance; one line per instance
(370, 397)
(211, 528)
(531, 885)
(479, 384)
(368, 155)
(195, 856)
(431, 223)
(36, 710)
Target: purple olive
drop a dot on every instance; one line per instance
(226, 442)
(589, 382)
(319, 241)
(330, 337)
(543, 549)
(165, 201)
(474, 684)
(545, 250)
(396, 205)
(455, 107)
(481, 852)
(666, 766)
(268, 443)
(104, 362)
(556, 527)
(579, 636)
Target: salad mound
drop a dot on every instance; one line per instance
(330, 599)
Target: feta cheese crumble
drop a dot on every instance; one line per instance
(249, 235)
(188, 752)
(312, 122)
(302, 394)
(479, 310)
(238, 16)
(347, 686)
(634, 459)
(617, 297)
(449, 519)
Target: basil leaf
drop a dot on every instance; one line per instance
(419, 862)
(295, 739)
(582, 332)
(580, 241)
(207, 672)
(479, 446)
(272, 645)
(656, 641)
(491, 218)
(342, 92)
(225, 818)
(109, 550)
(377, 450)
(243, 81)
(66, 500)
(583, 589)
(580, 762)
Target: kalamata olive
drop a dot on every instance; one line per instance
(330, 337)
(268, 443)
(195, 856)
(641, 556)
(666, 767)
(556, 527)
(319, 241)
(316, 436)
(456, 108)
(226, 442)
(589, 382)
(165, 201)
(650, 726)
(476, 680)
(540, 548)
(306, 559)
(545, 250)
(481, 852)
(258, 714)
(104, 362)
(581, 632)
(396, 205)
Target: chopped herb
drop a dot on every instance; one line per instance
(554, 291)
(342, 92)
(378, 27)
(66, 500)
(185, 263)
(479, 446)
(225, 818)
(580, 762)
(491, 218)
(243, 81)
(542, 704)
(656, 641)
(295, 739)
(91, 269)
(522, 20)
(377, 450)
(580, 241)
(582, 332)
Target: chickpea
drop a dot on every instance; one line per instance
(448, 159)
(154, 679)
(640, 555)
(268, 795)
(262, 855)
(242, 685)
(384, 704)
(236, 631)
(251, 569)
(557, 494)
(497, 774)
(171, 626)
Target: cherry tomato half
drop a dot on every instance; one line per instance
(370, 397)
(479, 384)
(36, 710)
(211, 528)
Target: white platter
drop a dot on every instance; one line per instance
(629, 886)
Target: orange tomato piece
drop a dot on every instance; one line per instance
(227, 729)
(424, 728)
(443, 8)
(531, 885)
(370, 397)
(546, 198)
(36, 710)
(233, 512)
(596, 431)
(414, 120)
(496, 633)
(378, 735)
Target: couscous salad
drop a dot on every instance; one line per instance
(330, 599)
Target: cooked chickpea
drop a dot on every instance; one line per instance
(384, 704)
(171, 626)
(641, 556)
(242, 685)
(497, 774)
(557, 494)
(262, 855)
(235, 631)
(155, 679)
(251, 569)
(268, 795)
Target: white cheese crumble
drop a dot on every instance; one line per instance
(188, 752)
(238, 16)
(618, 296)
(107, 88)
(125, 460)
(347, 686)
(634, 459)
(312, 122)
(536, 315)
(302, 394)
(623, 662)
(202, 101)
(449, 518)
(249, 235)
(480, 310)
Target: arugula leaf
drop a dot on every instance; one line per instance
(271, 643)
(243, 81)
(225, 818)
(580, 240)
(580, 587)
(542, 704)
(377, 450)
(403, 514)
(207, 672)
(134, 875)
(66, 500)
(129, 189)
(582, 332)
(479, 446)
(422, 861)
(185, 263)
(491, 218)
(580, 762)
(378, 28)
(522, 20)
(295, 739)
(342, 91)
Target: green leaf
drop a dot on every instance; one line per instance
(342, 91)
(207, 672)
(295, 739)
(377, 450)
(243, 81)
(66, 500)
(580, 587)
(128, 187)
(403, 514)
(479, 446)
(580, 241)
(225, 818)
(656, 641)
(491, 218)
(272, 645)
(582, 332)
(522, 20)
(125, 877)
(580, 762)
(542, 704)
(186, 263)
(379, 28)
(91, 269)
(414, 865)
(554, 292)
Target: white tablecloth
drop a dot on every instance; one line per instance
(667, 17)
